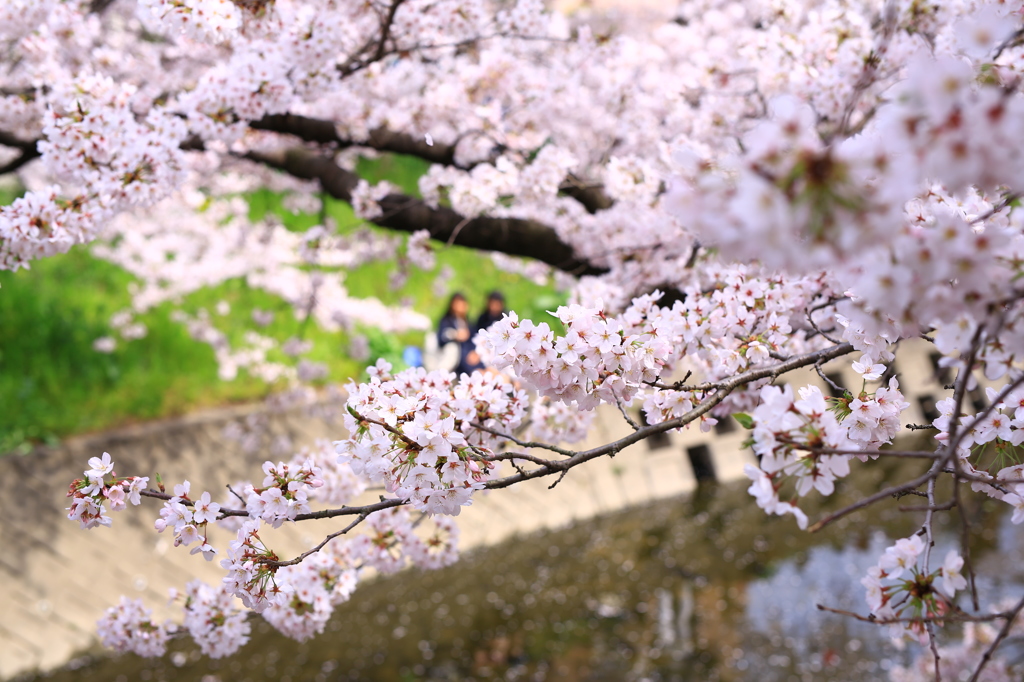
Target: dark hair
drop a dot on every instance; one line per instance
(451, 302)
(496, 296)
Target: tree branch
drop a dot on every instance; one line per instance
(313, 550)
(555, 467)
(19, 161)
(325, 132)
(724, 389)
(513, 236)
(8, 140)
(1010, 617)
(592, 196)
(947, 618)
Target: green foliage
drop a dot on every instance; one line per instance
(53, 384)
(404, 171)
(745, 420)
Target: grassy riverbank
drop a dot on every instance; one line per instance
(53, 384)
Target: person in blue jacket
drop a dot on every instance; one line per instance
(494, 311)
(455, 328)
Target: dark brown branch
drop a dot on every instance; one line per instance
(8, 140)
(513, 236)
(99, 6)
(320, 131)
(19, 161)
(384, 140)
(592, 196)
(385, 29)
(705, 406)
(513, 456)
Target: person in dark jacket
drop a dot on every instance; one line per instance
(454, 328)
(493, 312)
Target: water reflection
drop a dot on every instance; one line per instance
(702, 588)
(790, 636)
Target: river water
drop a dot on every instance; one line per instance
(698, 587)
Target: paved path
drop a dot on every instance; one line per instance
(56, 580)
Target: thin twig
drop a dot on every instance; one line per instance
(158, 495)
(1007, 200)
(291, 562)
(871, 499)
(232, 491)
(948, 618)
(985, 657)
(458, 228)
(625, 415)
(513, 456)
(965, 544)
(930, 629)
(959, 391)
(814, 324)
(946, 506)
(390, 429)
(524, 443)
(928, 516)
(834, 385)
(559, 480)
(911, 454)
(705, 406)
(1014, 37)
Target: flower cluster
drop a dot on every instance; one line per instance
(553, 422)
(189, 519)
(959, 659)
(316, 586)
(787, 432)
(794, 438)
(129, 626)
(249, 575)
(296, 598)
(110, 157)
(987, 447)
(426, 436)
(340, 485)
(284, 493)
(91, 496)
(873, 419)
(899, 587)
(213, 620)
(595, 361)
(214, 20)
(735, 321)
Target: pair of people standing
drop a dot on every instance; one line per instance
(455, 328)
